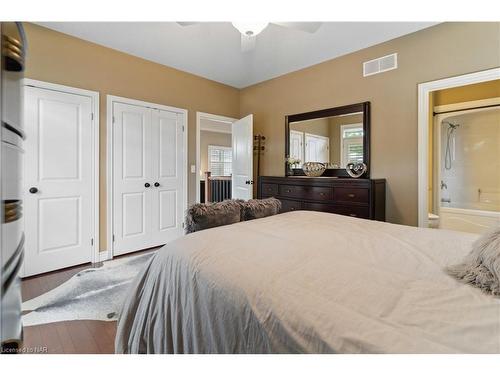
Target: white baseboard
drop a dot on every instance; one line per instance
(103, 255)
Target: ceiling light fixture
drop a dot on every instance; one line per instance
(250, 28)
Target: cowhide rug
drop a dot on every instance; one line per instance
(91, 294)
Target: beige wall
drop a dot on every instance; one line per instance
(438, 52)
(62, 59)
(208, 138)
(442, 51)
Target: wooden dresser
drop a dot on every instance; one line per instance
(364, 198)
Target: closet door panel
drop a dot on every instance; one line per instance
(132, 171)
(168, 191)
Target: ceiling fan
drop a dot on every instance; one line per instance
(249, 30)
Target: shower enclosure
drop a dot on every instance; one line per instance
(467, 169)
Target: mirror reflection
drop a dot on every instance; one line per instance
(335, 141)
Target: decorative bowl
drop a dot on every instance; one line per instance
(356, 170)
(313, 169)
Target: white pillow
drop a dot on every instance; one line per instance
(481, 267)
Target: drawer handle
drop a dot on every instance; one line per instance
(322, 194)
(351, 195)
(353, 215)
(292, 209)
(288, 191)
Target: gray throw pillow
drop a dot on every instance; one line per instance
(481, 267)
(209, 215)
(259, 208)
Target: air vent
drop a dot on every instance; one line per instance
(380, 65)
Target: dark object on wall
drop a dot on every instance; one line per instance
(259, 148)
(363, 198)
(259, 208)
(203, 216)
(363, 108)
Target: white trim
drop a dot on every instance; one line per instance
(110, 99)
(199, 117)
(94, 96)
(104, 255)
(424, 90)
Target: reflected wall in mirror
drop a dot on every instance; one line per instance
(335, 141)
(335, 137)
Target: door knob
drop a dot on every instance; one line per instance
(33, 190)
(157, 184)
(147, 184)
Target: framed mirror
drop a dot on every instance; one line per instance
(333, 136)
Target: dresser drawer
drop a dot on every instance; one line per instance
(359, 195)
(306, 192)
(269, 190)
(287, 205)
(353, 211)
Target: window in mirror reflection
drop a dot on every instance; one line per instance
(335, 141)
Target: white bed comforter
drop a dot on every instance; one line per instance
(308, 282)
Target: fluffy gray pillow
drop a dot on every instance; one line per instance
(258, 208)
(481, 267)
(203, 216)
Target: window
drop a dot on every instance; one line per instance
(220, 160)
(351, 141)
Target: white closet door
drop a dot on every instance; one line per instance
(317, 148)
(58, 180)
(132, 178)
(242, 143)
(168, 185)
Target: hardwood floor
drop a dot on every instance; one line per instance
(75, 336)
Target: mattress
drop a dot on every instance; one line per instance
(308, 282)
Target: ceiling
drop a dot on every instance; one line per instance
(212, 49)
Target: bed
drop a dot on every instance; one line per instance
(308, 282)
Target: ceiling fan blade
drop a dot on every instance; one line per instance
(187, 23)
(247, 43)
(308, 27)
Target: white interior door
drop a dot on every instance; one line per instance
(297, 145)
(242, 143)
(168, 191)
(132, 178)
(148, 177)
(317, 148)
(58, 180)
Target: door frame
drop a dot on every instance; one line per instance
(110, 100)
(424, 91)
(94, 97)
(204, 116)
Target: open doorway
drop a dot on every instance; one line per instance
(213, 157)
(452, 113)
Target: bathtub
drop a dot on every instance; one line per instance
(470, 220)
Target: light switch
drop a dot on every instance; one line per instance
(193, 168)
